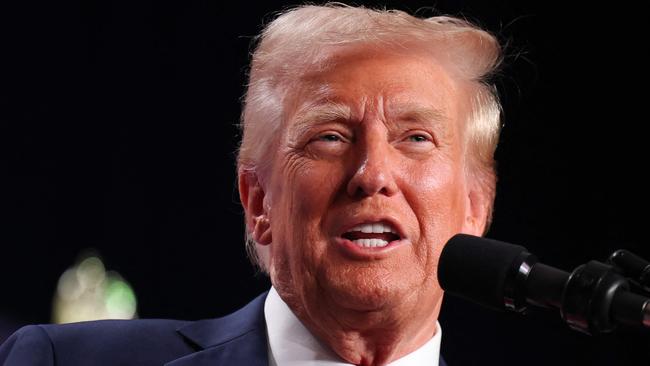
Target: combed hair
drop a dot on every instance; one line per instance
(303, 39)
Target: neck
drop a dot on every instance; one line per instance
(375, 337)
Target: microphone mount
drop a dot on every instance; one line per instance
(594, 298)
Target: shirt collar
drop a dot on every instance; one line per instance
(291, 343)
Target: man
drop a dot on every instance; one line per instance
(368, 141)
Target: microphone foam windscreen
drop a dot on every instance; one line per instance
(478, 269)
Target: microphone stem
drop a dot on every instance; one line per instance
(544, 286)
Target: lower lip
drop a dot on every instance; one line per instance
(357, 252)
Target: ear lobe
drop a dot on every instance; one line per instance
(252, 197)
(476, 213)
(262, 230)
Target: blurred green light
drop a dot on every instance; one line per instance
(120, 299)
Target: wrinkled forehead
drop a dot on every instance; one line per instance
(346, 82)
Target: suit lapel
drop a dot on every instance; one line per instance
(236, 339)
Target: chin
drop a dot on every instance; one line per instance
(365, 289)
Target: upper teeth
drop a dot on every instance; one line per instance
(377, 228)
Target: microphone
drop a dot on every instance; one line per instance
(594, 298)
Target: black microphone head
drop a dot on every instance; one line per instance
(479, 269)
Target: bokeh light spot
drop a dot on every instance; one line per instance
(86, 291)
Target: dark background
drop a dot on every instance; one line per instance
(117, 132)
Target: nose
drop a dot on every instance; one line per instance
(373, 170)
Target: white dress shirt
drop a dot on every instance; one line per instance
(291, 344)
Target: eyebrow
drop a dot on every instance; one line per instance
(315, 114)
(338, 111)
(418, 113)
(322, 113)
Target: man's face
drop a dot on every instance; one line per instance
(368, 183)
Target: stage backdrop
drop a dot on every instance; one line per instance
(118, 133)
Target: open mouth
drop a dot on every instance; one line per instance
(372, 235)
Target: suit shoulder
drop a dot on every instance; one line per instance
(125, 330)
(118, 334)
(29, 345)
(109, 342)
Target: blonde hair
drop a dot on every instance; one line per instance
(304, 38)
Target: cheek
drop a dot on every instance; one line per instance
(300, 204)
(313, 190)
(438, 200)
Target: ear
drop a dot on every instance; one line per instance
(252, 197)
(477, 206)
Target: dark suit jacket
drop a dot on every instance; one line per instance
(236, 339)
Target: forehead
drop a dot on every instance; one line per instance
(386, 83)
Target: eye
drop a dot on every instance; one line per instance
(418, 138)
(329, 137)
(327, 144)
(418, 142)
